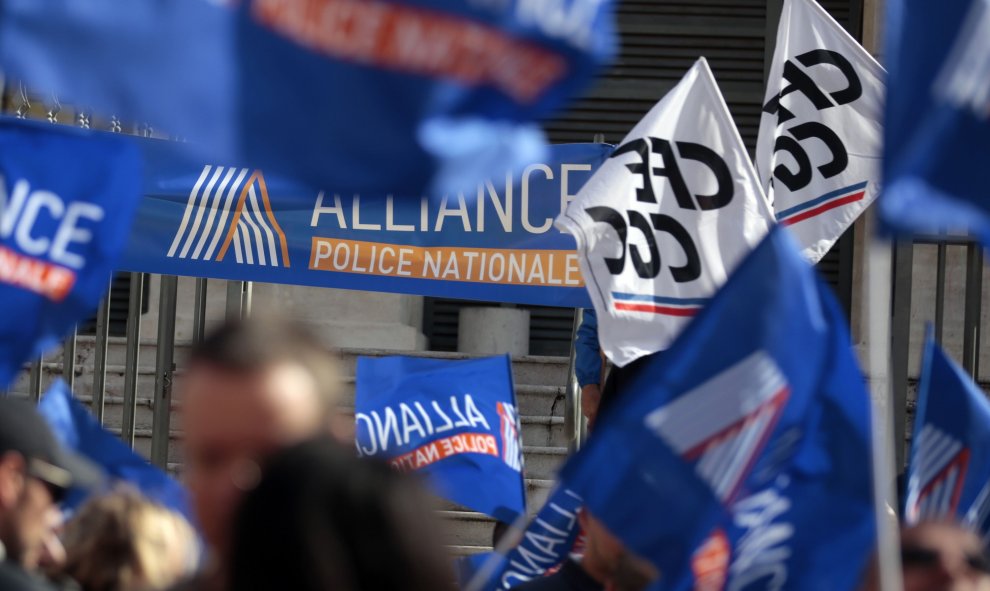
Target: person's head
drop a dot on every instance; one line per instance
(943, 556)
(123, 542)
(253, 387)
(322, 518)
(35, 473)
(609, 562)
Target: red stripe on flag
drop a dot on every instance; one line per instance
(823, 208)
(653, 308)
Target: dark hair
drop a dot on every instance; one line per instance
(322, 518)
(255, 344)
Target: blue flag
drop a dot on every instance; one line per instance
(937, 128)
(377, 97)
(67, 197)
(740, 457)
(949, 475)
(77, 429)
(545, 545)
(455, 421)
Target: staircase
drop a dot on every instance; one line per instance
(539, 382)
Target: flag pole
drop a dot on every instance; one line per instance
(879, 281)
(512, 537)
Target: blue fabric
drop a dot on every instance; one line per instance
(937, 127)
(949, 474)
(454, 421)
(384, 97)
(750, 435)
(77, 429)
(587, 352)
(545, 544)
(67, 198)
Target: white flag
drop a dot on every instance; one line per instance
(818, 153)
(666, 218)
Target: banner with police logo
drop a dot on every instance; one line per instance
(666, 218)
(819, 148)
(67, 197)
(493, 243)
(456, 421)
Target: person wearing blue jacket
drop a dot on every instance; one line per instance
(589, 365)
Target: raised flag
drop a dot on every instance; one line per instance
(949, 474)
(67, 198)
(545, 544)
(666, 218)
(732, 456)
(819, 148)
(78, 430)
(455, 421)
(401, 96)
(937, 128)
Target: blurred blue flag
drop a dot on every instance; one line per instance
(455, 421)
(740, 457)
(77, 429)
(937, 127)
(67, 198)
(401, 97)
(544, 546)
(949, 475)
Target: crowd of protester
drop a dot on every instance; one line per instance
(282, 502)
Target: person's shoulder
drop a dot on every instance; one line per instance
(14, 578)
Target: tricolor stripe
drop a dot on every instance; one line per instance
(820, 205)
(652, 304)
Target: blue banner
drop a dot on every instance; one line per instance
(937, 128)
(377, 97)
(67, 197)
(949, 475)
(496, 243)
(544, 546)
(731, 457)
(455, 421)
(77, 429)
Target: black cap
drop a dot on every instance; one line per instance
(23, 430)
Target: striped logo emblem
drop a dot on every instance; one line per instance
(509, 426)
(651, 304)
(229, 209)
(818, 206)
(938, 475)
(722, 425)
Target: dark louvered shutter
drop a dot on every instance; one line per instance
(660, 41)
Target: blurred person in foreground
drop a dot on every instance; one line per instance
(35, 474)
(123, 542)
(324, 519)
(253, 387)
(606, 565)
(939, 556)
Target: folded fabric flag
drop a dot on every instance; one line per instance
(67, 198)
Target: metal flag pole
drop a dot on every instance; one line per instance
(879, 279)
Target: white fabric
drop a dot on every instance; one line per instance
(821, 206)
(639, 313)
